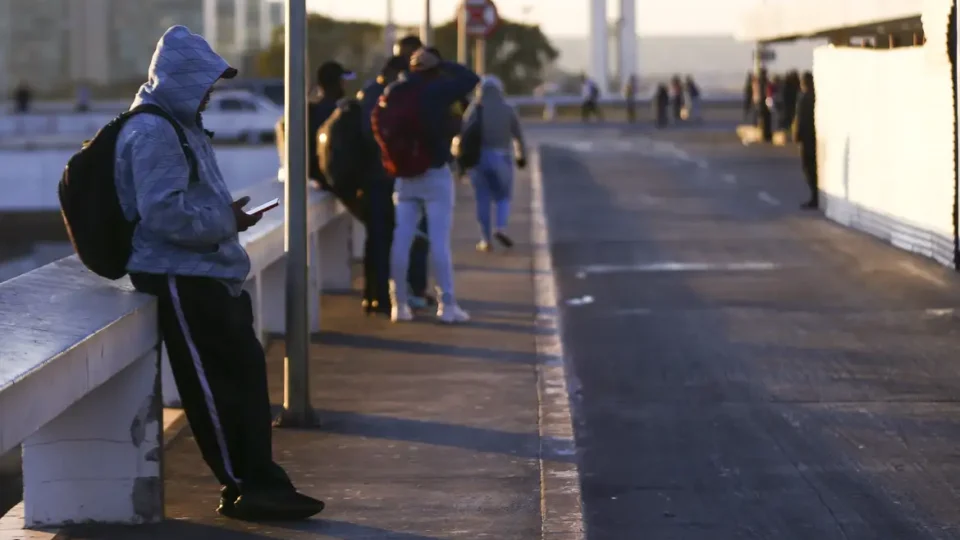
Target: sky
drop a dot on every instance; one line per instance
(560, 17)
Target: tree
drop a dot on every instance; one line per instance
(517, 53)
(356, 45)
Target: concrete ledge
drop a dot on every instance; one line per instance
(890, 229)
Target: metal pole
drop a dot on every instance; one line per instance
(462, 41)
(480, 56)
(426, 27)
(389, 31)
(296, 392)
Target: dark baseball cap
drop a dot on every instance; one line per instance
(395, 64)
(332, 71)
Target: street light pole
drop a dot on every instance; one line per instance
(297, 410)
(389, 31)
(426, 27)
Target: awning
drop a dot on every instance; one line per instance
(787, 20)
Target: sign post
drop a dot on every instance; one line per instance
(480, 19)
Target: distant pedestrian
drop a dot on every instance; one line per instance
(590, 94)
(22, 97)
(630, 95)
(806, 135)
(83, 98)
(492, 177)
(676, 98)
(749, 110)
(407, 118)
(693, 95)
(187, 254)
(661, 104)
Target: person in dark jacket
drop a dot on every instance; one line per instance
(791, 93)
(661, 103)
(330, 80)
(379, 196)
(806, 135)
(443, 84)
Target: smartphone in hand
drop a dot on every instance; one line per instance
(269, 205)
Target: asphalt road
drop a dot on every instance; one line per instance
(740, 368)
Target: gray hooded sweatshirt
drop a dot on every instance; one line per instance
(185, 228)
(500, 126)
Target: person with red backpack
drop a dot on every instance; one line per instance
(410, 125)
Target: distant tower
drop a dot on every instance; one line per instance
(599, 44)
(626, 43)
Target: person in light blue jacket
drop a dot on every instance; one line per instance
(492, 178)
(187, 253)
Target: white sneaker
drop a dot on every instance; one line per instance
(400, 313)
(452, 314)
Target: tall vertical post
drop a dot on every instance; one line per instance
(210, 23)
(240, 38)
(628, 40)
(297, 410)
(389, 31)
(480, 56)
(598, 44)
(426, 27)
(263, 23)
(462, 40)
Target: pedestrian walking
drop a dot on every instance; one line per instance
(186, 252)
(630, 95)
(492, 177)
(694, 99)
(591, 99)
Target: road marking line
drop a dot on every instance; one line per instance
(674, 266)
(561, 509)
(768, 198)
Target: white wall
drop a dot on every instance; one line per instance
(28, 178)
(885, 144)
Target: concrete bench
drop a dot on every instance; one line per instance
(80, 375)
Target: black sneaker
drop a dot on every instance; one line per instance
(228, 497)
(275, 505)
(504, 240)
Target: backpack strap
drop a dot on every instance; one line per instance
(149, 108)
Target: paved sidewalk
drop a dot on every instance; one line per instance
(428, 431)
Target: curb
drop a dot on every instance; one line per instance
(561, 508)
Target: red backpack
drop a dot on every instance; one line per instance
(398, 127)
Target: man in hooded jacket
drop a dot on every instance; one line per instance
(187, 253)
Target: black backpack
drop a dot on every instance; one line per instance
(98, 230)
(343, 150)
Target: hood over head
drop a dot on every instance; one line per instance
(490, 91)
(184, 67)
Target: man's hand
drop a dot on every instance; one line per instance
(244, 220)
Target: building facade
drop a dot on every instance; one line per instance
(56, 45)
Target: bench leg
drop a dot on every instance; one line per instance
(99, 461)
(171, 396)
(359, 238)
(274, 292)
(334, 245)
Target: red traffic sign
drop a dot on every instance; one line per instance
(482, 17)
